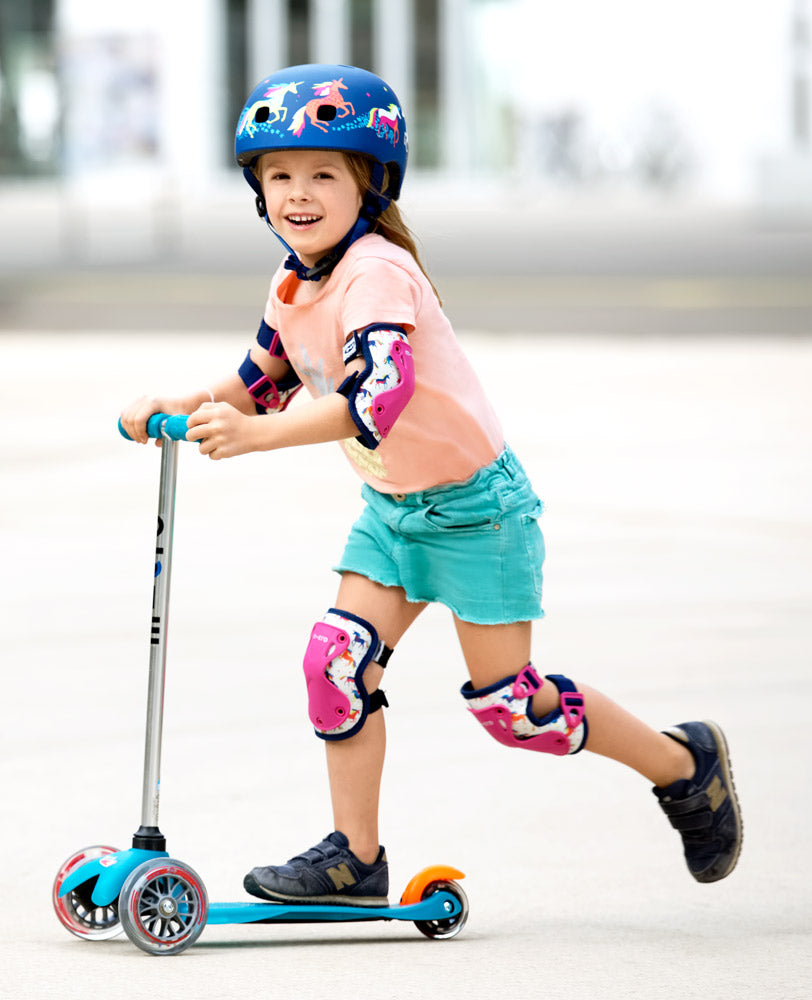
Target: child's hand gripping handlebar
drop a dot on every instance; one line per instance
(163, 425)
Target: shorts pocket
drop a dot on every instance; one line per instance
(462, 518)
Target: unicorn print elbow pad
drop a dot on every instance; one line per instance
(378, 394)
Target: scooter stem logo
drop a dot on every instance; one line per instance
(155, 636)
(159, 548)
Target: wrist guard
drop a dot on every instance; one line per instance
(267, 394)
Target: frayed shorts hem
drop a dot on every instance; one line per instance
(473, 618)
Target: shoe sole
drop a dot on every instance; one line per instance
(256, 889)
(730, 784)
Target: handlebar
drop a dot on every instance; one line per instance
(162, 425)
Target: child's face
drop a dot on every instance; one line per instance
(311, 197)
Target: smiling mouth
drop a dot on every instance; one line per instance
(302, 221)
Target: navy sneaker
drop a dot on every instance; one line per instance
(328, 873)
(704, 809)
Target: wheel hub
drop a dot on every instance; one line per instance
(168, 907)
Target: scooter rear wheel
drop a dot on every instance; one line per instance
(76, 910)
(441, 928)
(163, 906)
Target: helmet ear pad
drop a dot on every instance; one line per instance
(259, 201)
(394, 181)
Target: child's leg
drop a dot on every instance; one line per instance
(689, 767)
(493, 652)
(355, 765)
(349, 866)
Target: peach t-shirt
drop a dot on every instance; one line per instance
(448, 429)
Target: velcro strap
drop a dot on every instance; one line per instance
(352, 348)
(377, 700)
(688, 804)
(255, 380)
(693, 821)
(382, 654)
(269, 338)
(265, 335)
(527, 683)
(347, 387)
(691, 813)
(249, 371)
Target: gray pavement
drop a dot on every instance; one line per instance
(677, 477)
(504, 259)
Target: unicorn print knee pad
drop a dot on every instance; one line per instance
(504, 709)
(341, 647)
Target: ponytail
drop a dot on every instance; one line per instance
(390, 224)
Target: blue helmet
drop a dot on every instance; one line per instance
(320, 106)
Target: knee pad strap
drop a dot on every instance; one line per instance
(341, 647)
(504, 709)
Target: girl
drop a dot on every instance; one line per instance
(450, 515)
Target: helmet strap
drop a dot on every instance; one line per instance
(374, 204)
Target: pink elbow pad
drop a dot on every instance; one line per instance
(379, 394)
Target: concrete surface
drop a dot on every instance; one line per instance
(678, 484)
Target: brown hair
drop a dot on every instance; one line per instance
(390, 224)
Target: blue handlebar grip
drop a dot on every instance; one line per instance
(162, 425)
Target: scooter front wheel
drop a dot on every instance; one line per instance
(440, 927)
(76, 910)
(163, 906)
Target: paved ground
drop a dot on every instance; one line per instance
(678, 483)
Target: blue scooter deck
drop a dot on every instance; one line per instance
(439, 906)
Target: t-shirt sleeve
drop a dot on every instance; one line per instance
(379, 291)
(270, 314)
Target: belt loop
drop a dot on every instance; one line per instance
(509, 462)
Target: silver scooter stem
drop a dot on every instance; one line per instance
(157, 653)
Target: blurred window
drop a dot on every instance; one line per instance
(361, 34)
(238, 84)
(29, 92)
(298, 32)
(426, 116)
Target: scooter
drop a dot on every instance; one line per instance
(161, 903)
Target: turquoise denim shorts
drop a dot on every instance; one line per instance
(474, 546)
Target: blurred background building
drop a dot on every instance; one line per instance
(535, 125)
(700, 97)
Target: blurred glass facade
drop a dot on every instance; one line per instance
(30, 111)
(493, 88)
(64, 79)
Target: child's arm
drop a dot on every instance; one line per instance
(224, 431)
(379, 365)
(134, 416)
(231, 389)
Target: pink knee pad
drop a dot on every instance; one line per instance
(341, 647)
(505, 711)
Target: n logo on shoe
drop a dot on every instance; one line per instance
(717, 793)
(341, 876)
